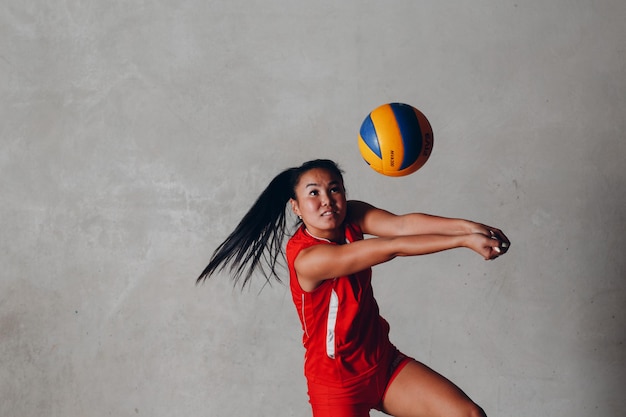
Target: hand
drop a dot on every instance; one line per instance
(503, 242)
(489, 242)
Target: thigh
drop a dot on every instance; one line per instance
(348, 410)
(355, 400)
(419, 391)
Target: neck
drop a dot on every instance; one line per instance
(339, 237)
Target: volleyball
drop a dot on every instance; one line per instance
(395, 139)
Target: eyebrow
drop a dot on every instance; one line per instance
(314, 184)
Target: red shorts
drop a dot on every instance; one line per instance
(356, 400)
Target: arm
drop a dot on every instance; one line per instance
(378, 222)
(321, 262)
(406, 235)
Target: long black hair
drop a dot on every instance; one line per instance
(257, 241)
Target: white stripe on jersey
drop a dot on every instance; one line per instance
(333, 306)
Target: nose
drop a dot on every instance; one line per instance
(325, 200)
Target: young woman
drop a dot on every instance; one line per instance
(350, 365)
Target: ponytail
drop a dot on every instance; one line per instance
(257, 241)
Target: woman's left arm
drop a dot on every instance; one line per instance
(379, 222)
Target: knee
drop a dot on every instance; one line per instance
(468, 408)
(473, 410)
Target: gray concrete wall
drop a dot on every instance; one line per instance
(135, 134)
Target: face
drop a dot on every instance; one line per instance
(321, 202)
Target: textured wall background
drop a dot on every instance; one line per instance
(136, 134)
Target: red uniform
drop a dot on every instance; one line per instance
(349, 360)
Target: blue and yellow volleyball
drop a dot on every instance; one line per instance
(396, 139)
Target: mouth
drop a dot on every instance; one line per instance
(330, 213)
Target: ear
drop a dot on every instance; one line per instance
(294, 207)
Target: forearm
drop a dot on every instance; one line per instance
(423, 244)
(426, 224)
(413, 245)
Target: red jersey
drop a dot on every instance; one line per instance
(344, 336)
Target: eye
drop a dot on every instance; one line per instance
(313, 192)
(335, 190)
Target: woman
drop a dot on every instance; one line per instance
(350, 365)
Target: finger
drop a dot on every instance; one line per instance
(504, 244)
(503, 241)
(502, 237)
(495, 248)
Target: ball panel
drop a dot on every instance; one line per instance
(392, 148)
(427, 135)
(410, 133)
(369, 136)
(372, 159)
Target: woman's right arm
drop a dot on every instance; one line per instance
(320, 262)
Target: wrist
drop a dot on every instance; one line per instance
(467, 227)
(465, 240)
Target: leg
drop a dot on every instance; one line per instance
(351, 401)
(418, 391)
(341, 411)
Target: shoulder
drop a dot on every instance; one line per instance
(298, 238)
(299, 241)
(357, 211)
(372, 220)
